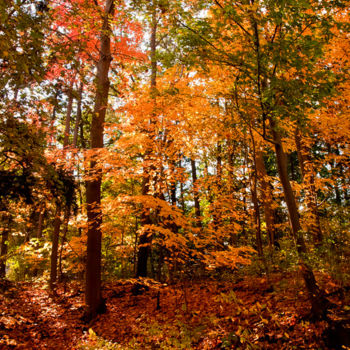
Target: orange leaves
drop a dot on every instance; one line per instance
(230, 258)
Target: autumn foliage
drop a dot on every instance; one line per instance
(168, 169)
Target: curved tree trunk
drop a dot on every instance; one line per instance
(319, 303)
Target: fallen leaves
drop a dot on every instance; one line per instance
(193, 315)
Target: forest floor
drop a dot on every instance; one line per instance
(248, 314)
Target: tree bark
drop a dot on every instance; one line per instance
(319, 303)
(93, 297)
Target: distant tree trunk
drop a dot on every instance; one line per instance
(39, 230)
(266, 198)
(218, 183)
(93, 297)
(318, 301)
(4, 240)
(308, 177)
(5, 233)
(63, 238)
(68, 115)
(197, 207)
(230, 156)
(173, 185)
(54, 248)
(145, 238)
(78, 118)
(182, 197)
(254, 192)
(67, 209)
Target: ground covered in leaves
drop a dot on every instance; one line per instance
(246, 314)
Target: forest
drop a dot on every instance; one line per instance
(174, 174)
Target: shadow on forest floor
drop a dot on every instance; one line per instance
(249, 314)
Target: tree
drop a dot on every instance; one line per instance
(263, 46)
(93, 297)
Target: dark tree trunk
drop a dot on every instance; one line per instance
(3, 254)
(93, 297)
(318, 301)
(4, 243)
(54, 249)
(197, 207)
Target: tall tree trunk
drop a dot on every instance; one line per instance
(145, 238)
(93, 297)
(318, 301)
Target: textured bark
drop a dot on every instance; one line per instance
(93, 297)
